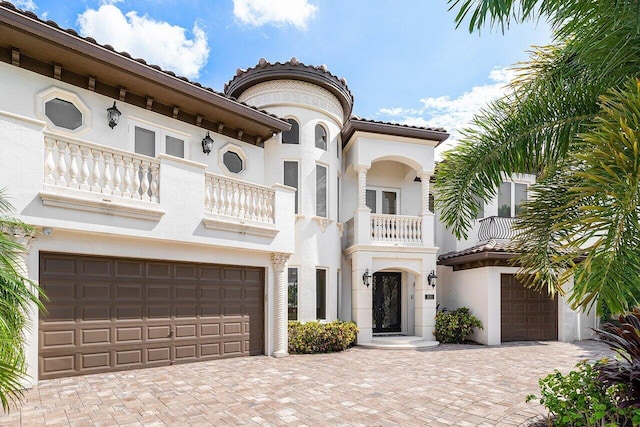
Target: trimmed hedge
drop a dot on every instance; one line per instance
(454, 326)
(316, 337)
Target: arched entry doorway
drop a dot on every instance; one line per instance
(387, 302)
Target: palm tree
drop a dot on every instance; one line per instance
(571, 117)
(17, 294)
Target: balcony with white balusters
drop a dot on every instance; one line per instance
(84, 176)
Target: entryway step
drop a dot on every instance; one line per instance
(399, 343)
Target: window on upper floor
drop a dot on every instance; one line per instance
(63, 114)
(321, 137)
(290, 172)
(321, 191)
(480, 203)
(384, 201)
(291, 136)
(150, 140)
(232, 159)
(63, 111)
(510, 198)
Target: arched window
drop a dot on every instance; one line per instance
(321, 137)
(292, 136)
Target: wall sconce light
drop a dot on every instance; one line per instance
(207, 144)
(431, 278)
(366, 278)
(113, 114)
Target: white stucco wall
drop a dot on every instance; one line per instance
(317, 241)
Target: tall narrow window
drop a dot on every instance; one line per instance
(321, 191)
(145, 142)
(480, 203)
(504, 200)
(321, 293)
(291, 136)
(338, 200)
(293, 294)
(291, 179)
(520, 197)
(321, 137)
(371, 200)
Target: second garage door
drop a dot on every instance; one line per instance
(526, 314)
(107, 314)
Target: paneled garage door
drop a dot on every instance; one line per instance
(526, 314)
(108, 314)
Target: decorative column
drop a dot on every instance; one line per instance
(425, 178)
(428, 221)
(362, 185)
(280, 335)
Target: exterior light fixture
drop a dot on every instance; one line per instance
(207, 144)
(113, 114)
(366, 278)
(431, 278)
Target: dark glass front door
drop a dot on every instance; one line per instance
(386, 302)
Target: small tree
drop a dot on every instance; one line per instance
(17, 293)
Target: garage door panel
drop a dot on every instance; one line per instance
(159, 354)
(129, 291)
(95, 360)
(95, 313)
(147, 313)
(159, 270)
(60, 265)
(96, 267)
(526, 315)
(157, 292)
(162, 311)
(96, 336)
(185, 272)
(127, 268)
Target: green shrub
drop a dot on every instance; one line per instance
(454, 326)
(580, 399)
(316, 337)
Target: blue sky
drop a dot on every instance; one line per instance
(404, 60)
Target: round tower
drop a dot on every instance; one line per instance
(308, 157)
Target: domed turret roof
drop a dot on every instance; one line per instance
(291, 70)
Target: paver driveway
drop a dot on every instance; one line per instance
(449, 385)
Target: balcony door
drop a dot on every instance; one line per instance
(384, 201)
(386, 302)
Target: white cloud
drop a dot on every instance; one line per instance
(157, 42)
(451, 114)
(276, 12)
(25, 4)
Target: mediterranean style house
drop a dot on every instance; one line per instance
(175, 223)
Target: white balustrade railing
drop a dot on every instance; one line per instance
(239, 199)
(396, 229)
(96, 168)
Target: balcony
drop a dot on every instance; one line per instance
(389, 230)
(91, 177)
(175, 198)
(496, 228)
(231, 204)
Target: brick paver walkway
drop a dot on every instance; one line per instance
(450, 385)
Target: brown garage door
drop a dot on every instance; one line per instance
(108, 314)
(526, 314)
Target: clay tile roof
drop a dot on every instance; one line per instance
(435, 129)
(356, 123)
(29, 14)
(503, 246)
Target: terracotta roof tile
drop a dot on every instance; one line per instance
(489, 246)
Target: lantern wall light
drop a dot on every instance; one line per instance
(207, 144)
(113, 115)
